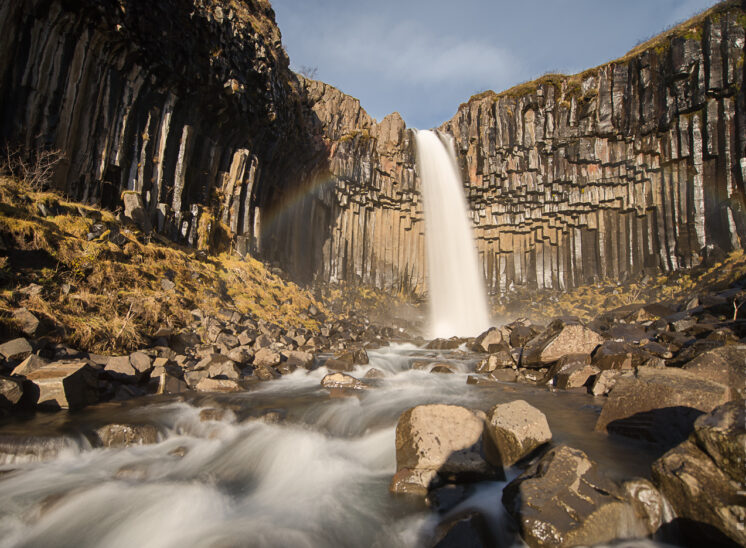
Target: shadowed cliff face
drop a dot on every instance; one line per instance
(631, 166)
(189, 103)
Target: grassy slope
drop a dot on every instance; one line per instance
(116, 299)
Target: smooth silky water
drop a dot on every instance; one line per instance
(318, 478)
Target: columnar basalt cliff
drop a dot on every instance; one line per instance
(188, 104)
(632, 166)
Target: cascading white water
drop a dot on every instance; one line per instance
(458, 301)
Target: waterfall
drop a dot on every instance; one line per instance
(458, 301)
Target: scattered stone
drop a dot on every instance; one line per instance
(167, 285)
(438, 441)
(125, 435)
(17, 349)
(725, 365)
(28, 323)
(266, 373)
(32, 363)
(575, 376)
(487, 341)
(218, 385)
(604, 382)
(11, 391)
(265, 357)
(340, 380)
(559, 339)
(722, 434)
(564, 500)
(659, 405)
(63, 385)
(514, 430)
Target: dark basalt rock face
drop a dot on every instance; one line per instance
(190, 105)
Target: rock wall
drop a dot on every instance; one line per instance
(636, 165)
(189, 103)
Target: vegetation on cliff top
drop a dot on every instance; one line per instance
(689, 29)
(100, 285)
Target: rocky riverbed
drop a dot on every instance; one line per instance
(556, 409)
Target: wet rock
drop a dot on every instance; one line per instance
(648, 502)
(659, 405)
(438, 441)
(28, 323)
(464, 530)
(487, 341)
(374, 373)
(218, 385)
(340, 380)
(23, 448)
(604, 382)
(559, 339)
(504, 375)
(16, 349)
(63, 385)
(125, 435)
(575, 376)
(214, 414)
(447, 497)
(445, 344)
(266, 373)
(441, 368)
(725, 365)
(32, 363)
(722, 434)
(11, 391)
(564, 500)
(265, 357)
(514, 430)
(708, 502)
(499, 360)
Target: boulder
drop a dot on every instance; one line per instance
(168, 383)
(141, 362)
(16, 349)
(648, 502)
(340, 380)
(615, 355)
(514, 430)
(63, 385)
(559, 339)
(242, 355)
(125, 435)
(604, 382)
(28, 323)
(219, 366)
(134, 210)
(121, 369)
(438, 441)
(659, 404)
(709, 503)
(575, 376)
(32, 363)
(218, 385)
(487, 341)
(564, 500)
(299, 358)
(722, 434)
(725, 365)
(520, 334)
(501, 359)
(11, 391)
(265, 357)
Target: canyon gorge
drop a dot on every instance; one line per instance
(630, 167)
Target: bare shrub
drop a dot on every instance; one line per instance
(34, 167)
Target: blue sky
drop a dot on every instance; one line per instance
(423, 58)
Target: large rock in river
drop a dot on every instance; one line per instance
(438, 441)
(564, 500)
(726, 365)
(63, 385)
(514, 430)
(559, 339)
(659, 404)
(722, 434)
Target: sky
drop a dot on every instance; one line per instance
(423, 58)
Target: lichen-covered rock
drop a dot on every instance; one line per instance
(438, 441)
(559, 339)
(710, 504)
(564, 500)
(514, 430)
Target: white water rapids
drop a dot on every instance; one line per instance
(456, 290)
(319, 478)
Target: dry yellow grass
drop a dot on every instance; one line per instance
(116, 299)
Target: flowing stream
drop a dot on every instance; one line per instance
(458, 299)
(318, 477)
